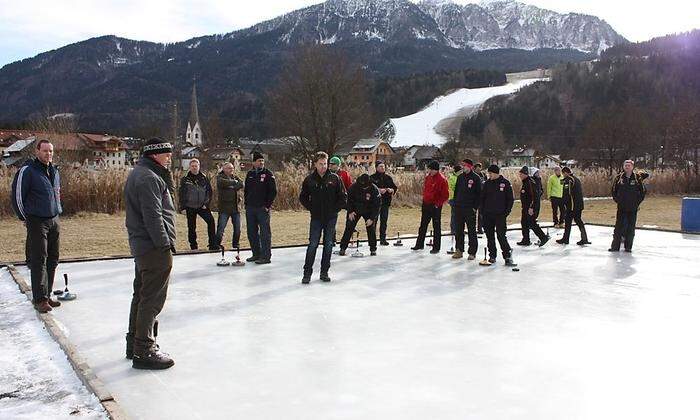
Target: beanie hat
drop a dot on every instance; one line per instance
(363, 180)
(457, 167)
(379, 162)
(525, 170)
(494, 169)
(566, 170)
(257, 155)
(468, 162)
(335, 160)
(434, 165)
(156, 146)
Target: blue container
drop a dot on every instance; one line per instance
(690, 215)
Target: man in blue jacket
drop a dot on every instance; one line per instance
(36, 199)
(259, 194)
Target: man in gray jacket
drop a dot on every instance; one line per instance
(150, 223)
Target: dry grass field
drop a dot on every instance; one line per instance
(97, 234)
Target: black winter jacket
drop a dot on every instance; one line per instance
(572, 193)
(628, 193)
(384, 181)
(260, 188)
(468, 190)
(323, 196)
(530, 194)
(365, 201)
(497, 197)
(195, 191)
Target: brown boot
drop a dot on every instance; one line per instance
(53, 303)
(457, 255)
(42, 306)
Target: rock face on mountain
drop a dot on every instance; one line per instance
(115, 83)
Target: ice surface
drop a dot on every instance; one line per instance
(578, 333)
(36, 379)
(419, 128)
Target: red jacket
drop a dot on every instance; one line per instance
(345, 176)
(435, 190)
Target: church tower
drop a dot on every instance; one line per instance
(193, 135)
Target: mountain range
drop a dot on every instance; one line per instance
(121, 85)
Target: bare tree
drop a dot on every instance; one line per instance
(54, 123)
(320, 100)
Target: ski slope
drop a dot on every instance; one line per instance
(424, 127)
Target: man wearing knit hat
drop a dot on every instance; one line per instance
(572, 194)
(334, 164)
(259, 194)
(497, 203)
(435, 194)
(467, 197)
(387, 188)
(150, 224)
(530, 194)
(555, 194)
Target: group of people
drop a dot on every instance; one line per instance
(477, 200)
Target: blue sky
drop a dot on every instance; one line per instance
(30, 27)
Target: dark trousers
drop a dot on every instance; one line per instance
(430, 212)
(192, 227)
(151, 278)
(43, 242)
(479, 221)
(466, 215)
(528, 222)
(259, 234)
(558, 211)
(625, 223)
(316, 227)
(221, 228)
(495, 227)
(571, 216)
(453, 220)
(383, 221)
(350, 229)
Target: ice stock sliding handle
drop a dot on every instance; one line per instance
(65, 278)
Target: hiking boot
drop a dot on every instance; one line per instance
(471, 257)
(562, 241)
(524, 243)
(342, 252)
(543, 241)
(416, 248)
(492, 260)
(457, 255)
(373, 253)
(613, 249)
(583, 242)
(510, 263)
(325, 278)
(434, 251)
(306, 279)
(628, 250)
(384, 243)
(263, 261)
(53, 303)
(152, 359)
(42, 306)
(252, 259)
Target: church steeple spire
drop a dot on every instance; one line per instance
(194, 127)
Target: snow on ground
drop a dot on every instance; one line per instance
(578, 333)
(36, 379)
(420, 128)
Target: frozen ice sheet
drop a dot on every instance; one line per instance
(578, 333)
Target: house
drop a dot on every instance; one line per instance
(107, 151)
(217, 156)
(519, 157)
(8, 137)
(546, 161)
(187, 154)
(18, 152)
(417, 157)
(274, 150)
(367, 152)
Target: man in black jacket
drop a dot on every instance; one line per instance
(628, 191)
(228, 185)
(387, 188)
(530, 194)
(497, 203)
(467, 198)
(364, 200)
(195, 195)
(572, 199)
(323, 195)
(479, 216)
(260, 192)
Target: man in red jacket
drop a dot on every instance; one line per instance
(435, 194)
(334, 165)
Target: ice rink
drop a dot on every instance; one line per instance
(578, 333)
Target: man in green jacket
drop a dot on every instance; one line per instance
(228, 185)
(555, 192)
